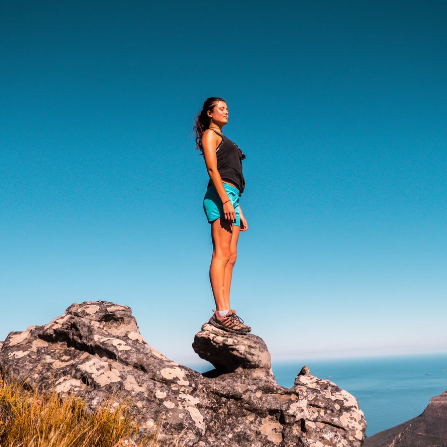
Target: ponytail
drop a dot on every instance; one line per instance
(202, 120)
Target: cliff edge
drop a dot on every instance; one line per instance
(427, 430)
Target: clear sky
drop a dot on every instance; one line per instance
(341, 110)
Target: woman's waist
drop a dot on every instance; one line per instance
(231, 184)
(235, 179)
(231, 174)
(227, 185)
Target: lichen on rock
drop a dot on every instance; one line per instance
(95, 350)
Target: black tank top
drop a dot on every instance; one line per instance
(229, 162)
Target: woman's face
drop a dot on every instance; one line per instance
(219, 115)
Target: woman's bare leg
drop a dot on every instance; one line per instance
(230, 265)
(221, 234)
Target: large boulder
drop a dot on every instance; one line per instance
(427, 430)
(95, 351)
(229, 352)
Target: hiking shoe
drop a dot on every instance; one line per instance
(230, 323)
(239, 319)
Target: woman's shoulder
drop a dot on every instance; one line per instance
(210, 135)
(211, 139)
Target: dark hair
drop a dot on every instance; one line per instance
(202, 120)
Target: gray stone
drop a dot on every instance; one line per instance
(95, 350)
(229, 352)
(126, 442)
(305, 371)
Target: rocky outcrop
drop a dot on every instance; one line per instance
(229, 352)
(427, 430)
(95, 351)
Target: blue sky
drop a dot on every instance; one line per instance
(341, 109)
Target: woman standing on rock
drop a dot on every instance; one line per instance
(223, 161)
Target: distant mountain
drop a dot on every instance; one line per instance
(427, 430)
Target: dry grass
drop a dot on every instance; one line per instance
(32, 419)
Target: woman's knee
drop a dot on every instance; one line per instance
(233, 257)
(223, 255)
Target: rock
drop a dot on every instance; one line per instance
(126, 442)
(229, 352)
(305, 371)
(427, 430)
(95, 351)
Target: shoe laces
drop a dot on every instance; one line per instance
(237, 318)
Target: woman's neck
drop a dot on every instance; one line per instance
(215, 127)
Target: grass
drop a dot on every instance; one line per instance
(32, 419)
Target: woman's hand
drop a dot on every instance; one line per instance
(244, 224)
(229, 212)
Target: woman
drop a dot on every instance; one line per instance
(223, 161)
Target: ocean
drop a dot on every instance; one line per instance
(389, 390)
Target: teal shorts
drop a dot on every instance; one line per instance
(212, 205)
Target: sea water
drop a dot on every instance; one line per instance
(389, 390)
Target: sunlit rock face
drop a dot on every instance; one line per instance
(229, 352)
(95, 350)
(427, 430)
